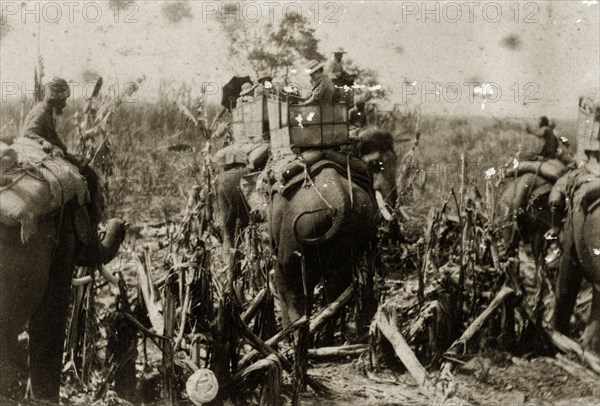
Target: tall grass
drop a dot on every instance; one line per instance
(149, 182)
(484, 142)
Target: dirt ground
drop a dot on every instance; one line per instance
(494, 378)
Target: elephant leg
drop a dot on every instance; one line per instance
(568, 284)
(368, 303)
(232, 206)
(47, 324)
(288, 279)
(591, 335)
(336, 282)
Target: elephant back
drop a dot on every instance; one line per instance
(551, 169)
(38, 184)
(313, 162)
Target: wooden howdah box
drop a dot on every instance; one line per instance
(316, 125)
(588, 125)
(247, 120)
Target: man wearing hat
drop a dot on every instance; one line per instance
(265, 83)
(322, 87)
(336, 71)
(39, 124)
(546, 133)
(246, 93)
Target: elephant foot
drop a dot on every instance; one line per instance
(591, 335)
(8, 401)
(13, 368)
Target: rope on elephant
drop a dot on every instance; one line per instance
(349, 181)
(308, 180)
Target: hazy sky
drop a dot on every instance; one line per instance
(538, 56)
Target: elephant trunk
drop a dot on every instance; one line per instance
(333, 221)
(114, 237)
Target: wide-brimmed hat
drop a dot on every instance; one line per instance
(264, 76)
(247, 88)
(339, 50)
(313, 66)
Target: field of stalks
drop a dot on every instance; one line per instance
(174, 285)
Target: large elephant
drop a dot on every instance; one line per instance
(329, 225)
(581, 258)
(35, 280)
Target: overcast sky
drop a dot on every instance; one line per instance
(537, 56)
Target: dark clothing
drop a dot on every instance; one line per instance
(550, 147)
(338, 75)
(322, 90)
(357, 117)
(39, 125)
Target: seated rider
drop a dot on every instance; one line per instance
(40, 125)
(265, 84)
(357, 116)
(246, 94)
(336, 71)
(545, 131)
(322, 87)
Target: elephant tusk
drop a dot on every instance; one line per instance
(109, 276)
(383, 206)
(81, 281)
(375, 155)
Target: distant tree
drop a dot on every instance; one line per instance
(273, 48)
(175, 11)
(4, 26)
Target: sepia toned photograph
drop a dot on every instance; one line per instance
(304, 202)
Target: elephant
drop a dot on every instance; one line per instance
(525, 213)
(329, 226)
(580, 259)
(235, 162)
(331, 239)
(232, 206)
(35, 280)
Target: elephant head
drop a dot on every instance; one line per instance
(376, 149)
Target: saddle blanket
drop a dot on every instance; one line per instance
(34, 183)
